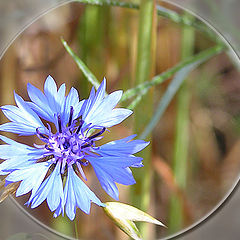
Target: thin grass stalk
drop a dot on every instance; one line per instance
(161, 11)
(86, 40)
(76, 228)
(176, 217)
(140, 193)
(143, 88)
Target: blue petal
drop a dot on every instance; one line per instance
(115, 117)
(48, 190)
(106, 182)
(59, 210)
(31, 177)
(39, 102)
(14, 164)
(120, 175)
(18, 128)
(88, 104)
(16, 150)
(55, 197)
(17, 155)
(72, 100)
(110, 169)
(50, 91)
(122, 147)
(28, 114)
(99, 109)
(49, 104)
(24, 120)
(76, 193)
(69, 197)
(121, 162)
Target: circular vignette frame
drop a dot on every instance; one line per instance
(235, 184)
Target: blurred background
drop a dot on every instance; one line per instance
(106, 39)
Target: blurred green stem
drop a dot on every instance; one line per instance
(76, 228)
(87, 73)
(176, 217)
(140, 194)
(143, 88)
(161, 11)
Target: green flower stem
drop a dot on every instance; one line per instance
(179, 165)
(161, 11)
(76, 228)
(140, 192)
(142, 88)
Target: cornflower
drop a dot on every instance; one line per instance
(54, 171)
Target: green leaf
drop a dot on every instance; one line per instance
(123, 216)
(20, 236)
(143, 88)
(168, 96)
(87, 73)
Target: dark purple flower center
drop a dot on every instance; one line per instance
(71, 143)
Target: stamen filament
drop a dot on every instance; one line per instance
(97, 134)
(42, 136)
(79, 127)
(87, 145)
(59, 124)
(70, 117)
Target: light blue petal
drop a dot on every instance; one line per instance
(18, 128)
(49, 104)
(76, 193)
(106, 182)
(115, 117)
(122, 146)
(78, 109)
(69, 196)
(45, 188)
(31, 177)
(72, 100)
(61, 97)
(14, 164)
(13, 113)
(55, 98)
(24, 120)
(82, 198)
(27, 112)
(59, 210)
(19, 151)
(103, 107)
(121, 175)
(55, 196)
(114, 161)
(99, 109)
(89, 103)
(39, 103)
(98, 99)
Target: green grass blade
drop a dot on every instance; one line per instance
(162, 11)
(202, 56)
(140, 192)
(167, 97)
(180, 153)
(87, 73)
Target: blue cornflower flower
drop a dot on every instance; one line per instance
(67, 149)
